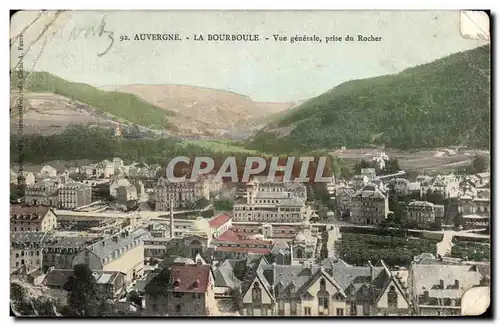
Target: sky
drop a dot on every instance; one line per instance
(265, 70)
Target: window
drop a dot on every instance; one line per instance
(281, 307)
(323, 295)
(178, 308)
(353, 309)
(256, 293)
(340, 312)
(392, 297)
(178, 294)
(293, 308)
(307, 311)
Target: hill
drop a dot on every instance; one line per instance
(205, 111)
(442, 103)
(122, 106)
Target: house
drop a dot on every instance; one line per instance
(484, 179)
(181, 193)
(182, 290)
(359, 181)
(437, 289)
(32, 218)
(110, 284)
(26, 250)
(42, 193)
(369, 172)
(447, 185)
(74, 194)
(59, 248)
(369, 206)
(271, 202)
(117, 183)
(343, 202)
(225, 280)
(123, 252)
(332, 288)
(424, 213)
(220, 224)
(124, 194)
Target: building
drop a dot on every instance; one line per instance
(103, 169)
(359, 181)
(437, 289)
(123, 252)
(182, 290)
(139, 185)
(32, 218)
(26, 250)
(272, 205)
(29, 178)
(42, 193)
(110, 284)
(424, 213)
(447, 185)
(403, 187)
(343, 202)
(124, 194)
(369, 206)
(74, 194)
(181, 193)
(370, 173)
(59, 248)
(47, 172)
(114, 184)
(332, 288)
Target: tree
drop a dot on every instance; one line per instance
(224, 204)
(479, 164)
(202, 203)
(83, 299)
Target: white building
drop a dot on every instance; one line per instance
(72, 195)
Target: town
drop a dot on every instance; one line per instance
(376, 244)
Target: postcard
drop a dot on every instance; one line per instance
(250, 163)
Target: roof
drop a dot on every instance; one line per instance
(57, 277)
(372, 192)
(230, 236)
(122, 240)
(219, 220)
(19, 212)
(425, 277)
(190, 278)
(61, 240)
(263, 251)
(224, 275)
(27, 237)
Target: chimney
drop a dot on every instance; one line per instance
(457, 284)
(372, 271)
(441, 284)
(171, 218)
(103, 243)
(115, 238)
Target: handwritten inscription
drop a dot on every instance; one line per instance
(90, 31)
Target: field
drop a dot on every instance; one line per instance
(414, 160)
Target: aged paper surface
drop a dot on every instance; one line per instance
(250, 163)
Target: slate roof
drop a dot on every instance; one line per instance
(19, 212)
(224, 276)
(25, 237)
(425, 277)
(111, 245)
(57, 277)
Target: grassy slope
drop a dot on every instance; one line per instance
(122, 105)
(441, 103)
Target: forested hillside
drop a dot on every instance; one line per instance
(445, 102)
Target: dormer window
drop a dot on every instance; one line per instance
(177, 282)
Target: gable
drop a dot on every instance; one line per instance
(266, 296)
(382, 301)
(313, 288)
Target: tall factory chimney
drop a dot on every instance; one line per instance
(171, 218)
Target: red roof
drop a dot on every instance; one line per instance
(28, 212)
(264, 251)
(190, 278)
(220, 220)
(231, 237)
